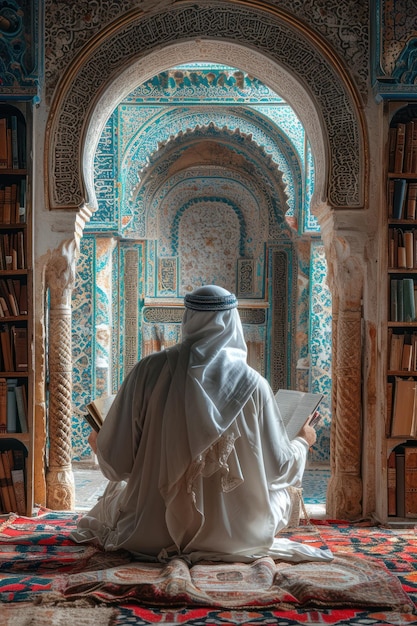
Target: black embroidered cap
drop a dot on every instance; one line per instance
(210, 298)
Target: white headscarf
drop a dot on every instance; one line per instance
(211, 382)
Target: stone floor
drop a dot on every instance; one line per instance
(90, 484)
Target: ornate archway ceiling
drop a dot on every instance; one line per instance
(206, 115)
(196, 154)
(250, 133)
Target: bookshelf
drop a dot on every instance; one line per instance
(400, 449)
(16, 419)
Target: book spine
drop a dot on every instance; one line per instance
(409, 249)
(411, 201)
(396, 349)
(15, 148)
(414, 344)
(409, 130)
(409, 313)
(410, 487)
(18, 480)
(20, 348)
(398, 201)
(6, 349)
(11, 411)
(399, 148)
(404, 407)
(390, 197)
(400, 485)
(390, 391)
(8, 472)
(3, 405)
(392, 484)
(20, 393)
(394, 300)
(400, 300)
(4, 487)
(407, 357)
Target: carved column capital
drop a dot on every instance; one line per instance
(60, 273)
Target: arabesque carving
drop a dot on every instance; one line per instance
(268, 32)
(69, 27)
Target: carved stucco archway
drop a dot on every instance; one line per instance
(291, 60)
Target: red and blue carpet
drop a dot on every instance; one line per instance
(45, 578)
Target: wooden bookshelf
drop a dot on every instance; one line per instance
(16, 375)
(400, 446)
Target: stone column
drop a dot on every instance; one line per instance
(60, 275)
(344, 495)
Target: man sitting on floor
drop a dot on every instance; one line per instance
(198, 459)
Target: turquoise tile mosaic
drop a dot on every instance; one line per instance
(202, 174)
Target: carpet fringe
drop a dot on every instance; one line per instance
(9, 521)
(26, 614)
(57, 599)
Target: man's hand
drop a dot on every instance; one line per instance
(314, 419)
(92, 440)
(308, 433)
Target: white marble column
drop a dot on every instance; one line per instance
(60, 274)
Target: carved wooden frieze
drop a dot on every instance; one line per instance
(345, 25)
(271, 34)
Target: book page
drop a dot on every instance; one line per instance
(296, 407)
(103, 404)
(98, 409)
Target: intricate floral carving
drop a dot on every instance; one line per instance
(69, 27)
(60, 272)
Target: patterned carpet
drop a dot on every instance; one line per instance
(371, 582)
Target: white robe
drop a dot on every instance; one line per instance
(232, 510)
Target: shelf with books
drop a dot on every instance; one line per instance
(16, 324)
(13, 296)
(15, 476)
(13, 406)
(402, 481)
(401, 320)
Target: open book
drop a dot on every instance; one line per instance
(97, 411)
(296, 407)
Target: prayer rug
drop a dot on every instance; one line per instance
(372, 580)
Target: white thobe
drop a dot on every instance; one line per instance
(230, 511)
